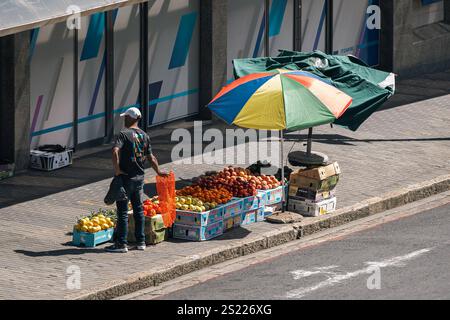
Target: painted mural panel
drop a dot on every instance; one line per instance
(91, 78)
(281, 26)
(126, 62)
(246, 29)
(52, 96)
(174, 59)
(313, 25)
(352, 35)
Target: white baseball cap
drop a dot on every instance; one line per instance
(132, 113)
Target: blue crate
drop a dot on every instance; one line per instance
(274, 196)
(194, 233)
(91, 240)
(199, 218)
(255, 202)
(233, 208)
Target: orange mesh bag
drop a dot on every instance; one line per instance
(165, 186)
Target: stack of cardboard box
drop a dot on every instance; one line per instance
(312, 191)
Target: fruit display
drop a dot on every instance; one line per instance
(97, 221)
(151, 207)
(218, 195)
(240, 182)
(189, 203)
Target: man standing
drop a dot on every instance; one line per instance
(131, 149)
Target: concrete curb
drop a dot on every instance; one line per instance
(270, 239)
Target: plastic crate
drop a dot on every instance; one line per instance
(49, 161)
(91, 240)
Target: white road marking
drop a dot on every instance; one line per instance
(299, 274)
(399, 261)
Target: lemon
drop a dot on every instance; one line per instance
(102, 221)
(100, 216)
(91, 229)
(84, 229)
(105, 226)
(111, 224)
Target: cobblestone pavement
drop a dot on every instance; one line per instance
(406, 143)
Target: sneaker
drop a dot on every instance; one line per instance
(141, 246)
(117, 248)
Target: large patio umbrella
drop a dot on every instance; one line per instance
(280, 100)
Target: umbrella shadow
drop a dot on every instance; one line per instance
(336, 139)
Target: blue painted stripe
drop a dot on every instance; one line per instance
(276, 17)
(119, 110)
(94, 36)
(101, 72)
(259, 39)
(320, 28)
(33, 40)
(154, 90)
(183, 40)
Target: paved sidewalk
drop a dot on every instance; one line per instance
(396, 147)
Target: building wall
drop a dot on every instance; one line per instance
(421, 40)
(246, 29)
(173, 71)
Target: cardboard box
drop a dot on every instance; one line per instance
(231, 223)
(274, 196)
(256, 202)
(310, 209)
(314, 184)
(252, 216)
(154, 229)
(49, 161)
(271, 209)
(193, 233)
(320, 173)
(308, 194)
(199, 218)
(233, 208)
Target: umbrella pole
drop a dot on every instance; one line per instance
(283, 200)
(309, 143)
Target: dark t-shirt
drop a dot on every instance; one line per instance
(134, 145)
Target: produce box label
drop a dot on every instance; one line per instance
(194, 233)
(255, 202)
(312, 209)
(91, 239)
(274, 196)
(271, 209)
(297, 193)
(314, 184)
(231, 223)
(233, 208)
(252, 216)
(199, 218)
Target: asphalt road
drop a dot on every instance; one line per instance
(404, 259)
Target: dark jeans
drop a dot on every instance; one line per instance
(135, 192)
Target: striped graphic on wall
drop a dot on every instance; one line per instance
(183, 40)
